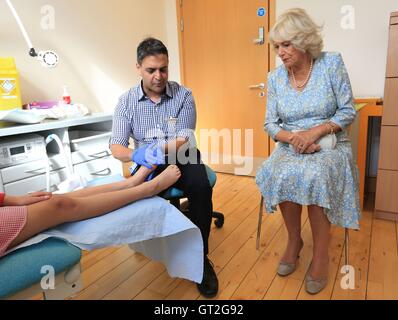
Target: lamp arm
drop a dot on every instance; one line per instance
(32, 51)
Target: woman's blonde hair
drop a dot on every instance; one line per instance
(297, 27)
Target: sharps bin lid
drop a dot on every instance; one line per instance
(7, 63)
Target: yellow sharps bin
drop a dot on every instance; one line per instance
(10, 94)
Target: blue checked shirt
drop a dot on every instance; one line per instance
(146, 122)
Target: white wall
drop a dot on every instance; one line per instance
(96, 41)
(172, 39)
(364, 49)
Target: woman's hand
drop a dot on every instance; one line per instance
(313, 149)
(26, 200)
(302, 140)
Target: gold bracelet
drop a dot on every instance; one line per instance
(329, 125)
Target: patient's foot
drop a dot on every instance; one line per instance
(166, 179)
(139, 177)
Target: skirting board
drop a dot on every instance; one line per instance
(386, 215)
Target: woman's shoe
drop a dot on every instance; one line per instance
(313, 286)
(284, 268)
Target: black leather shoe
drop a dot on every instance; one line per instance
(209, 286)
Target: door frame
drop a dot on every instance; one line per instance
(271, 53)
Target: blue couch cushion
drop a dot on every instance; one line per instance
(22, 268)
(174, 193)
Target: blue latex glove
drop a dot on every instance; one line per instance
(148, 156)
(139, 157)
(155, 154)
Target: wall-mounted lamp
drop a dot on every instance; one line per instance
(47, 58)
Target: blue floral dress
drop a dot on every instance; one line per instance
(328, 178)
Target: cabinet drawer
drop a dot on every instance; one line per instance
(31, 169)
(95, 169)
(390, 108)
(80, 157)
(23, 171)
(388, 158)
(392, 61)
(87, 141)
(37, 183)
(386, 191)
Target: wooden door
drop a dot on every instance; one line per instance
(220, 62)
(392, 61)
(390, 109)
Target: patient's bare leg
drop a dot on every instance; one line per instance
(133, 181)
(63, 208)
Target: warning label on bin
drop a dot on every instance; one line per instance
(7, 86)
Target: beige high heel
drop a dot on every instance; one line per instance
(313, 286)
(284, 268)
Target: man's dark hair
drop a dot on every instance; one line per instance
(150, 47)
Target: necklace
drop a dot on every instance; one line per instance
(306, 80)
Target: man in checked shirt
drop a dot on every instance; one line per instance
(160, 116)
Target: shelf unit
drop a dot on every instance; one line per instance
(386, 206)
(86, 144)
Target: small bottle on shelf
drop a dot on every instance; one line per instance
(66, 96)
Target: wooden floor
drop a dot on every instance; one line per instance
(244, 272)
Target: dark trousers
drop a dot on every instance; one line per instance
(196, 187)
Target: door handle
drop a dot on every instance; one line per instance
(260, 86)
(106, 171)
(38, 171)
(53, 188)
(100, 155)
(261, 37)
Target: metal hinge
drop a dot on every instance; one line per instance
(182, 25)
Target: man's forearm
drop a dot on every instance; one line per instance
(174, 145)
(121, 153)
(124, 154)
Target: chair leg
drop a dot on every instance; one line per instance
(184, 208)
(346, 246)
(260, 216)
(219, 219)
(176, 203)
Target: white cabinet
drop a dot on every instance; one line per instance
(89, 141)
(91, 157)
(99, 168)
(23, 171)
(86, 142)
(37, 183)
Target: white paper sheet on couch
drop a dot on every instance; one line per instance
(150, 226)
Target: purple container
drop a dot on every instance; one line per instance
(42, 105)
